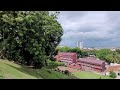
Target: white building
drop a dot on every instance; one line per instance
(80, 44)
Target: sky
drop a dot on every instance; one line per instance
(100, 29)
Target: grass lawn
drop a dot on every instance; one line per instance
(10, 70)
(90, 75)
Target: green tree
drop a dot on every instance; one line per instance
(101, 54)
(92, 52)
(76, 50)
(118, 51)
(114, 57)
(64, 49)
(29, 37)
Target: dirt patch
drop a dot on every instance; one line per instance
(69, 69)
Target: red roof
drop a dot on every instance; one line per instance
(91, 60)
(113, 68)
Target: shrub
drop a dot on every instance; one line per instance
(113, 74)
(66, 72)
(58, 69)
(49, 71)
(62, 71)
(54, 64)
(60, 63)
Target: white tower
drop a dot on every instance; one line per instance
(81, 44)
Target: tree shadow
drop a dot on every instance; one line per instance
(27, 70)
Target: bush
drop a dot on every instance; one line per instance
(60, 63)
(49, 71)
(62, 71)
(113, 74)
(57, 69)
(66, 72)
(54, 64)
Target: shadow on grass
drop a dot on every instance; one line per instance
(27, 70)
(37, 72)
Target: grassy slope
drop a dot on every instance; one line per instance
(90, 75)
(10, 70)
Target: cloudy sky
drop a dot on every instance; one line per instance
(94, 28)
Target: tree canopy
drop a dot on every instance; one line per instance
(29, 37)
(102, 53)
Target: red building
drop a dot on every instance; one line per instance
(67, 57)
(91, 64)
(85, 64)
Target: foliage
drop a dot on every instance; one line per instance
(92, 52)
(60, 63)
(66, 72)
(64, 49)
(114, 57)
(118, 51)
(29, 37)
(51, 64)
(113, 74)
(54, 74)
(106, 55)
(102, 53)
(54, 64)
(78, 51)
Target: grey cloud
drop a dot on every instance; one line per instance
(99, 29)
(73, 14)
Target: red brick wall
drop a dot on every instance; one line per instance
(75, 58)
(62, 56)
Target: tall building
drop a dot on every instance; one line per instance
(80, 44)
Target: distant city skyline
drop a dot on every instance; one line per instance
(95, 28)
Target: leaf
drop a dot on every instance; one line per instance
(36, 53)
(21, 34)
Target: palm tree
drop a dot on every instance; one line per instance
(115, 58)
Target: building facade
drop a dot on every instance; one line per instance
(92, 64)
(67, 57)
(85, 64)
